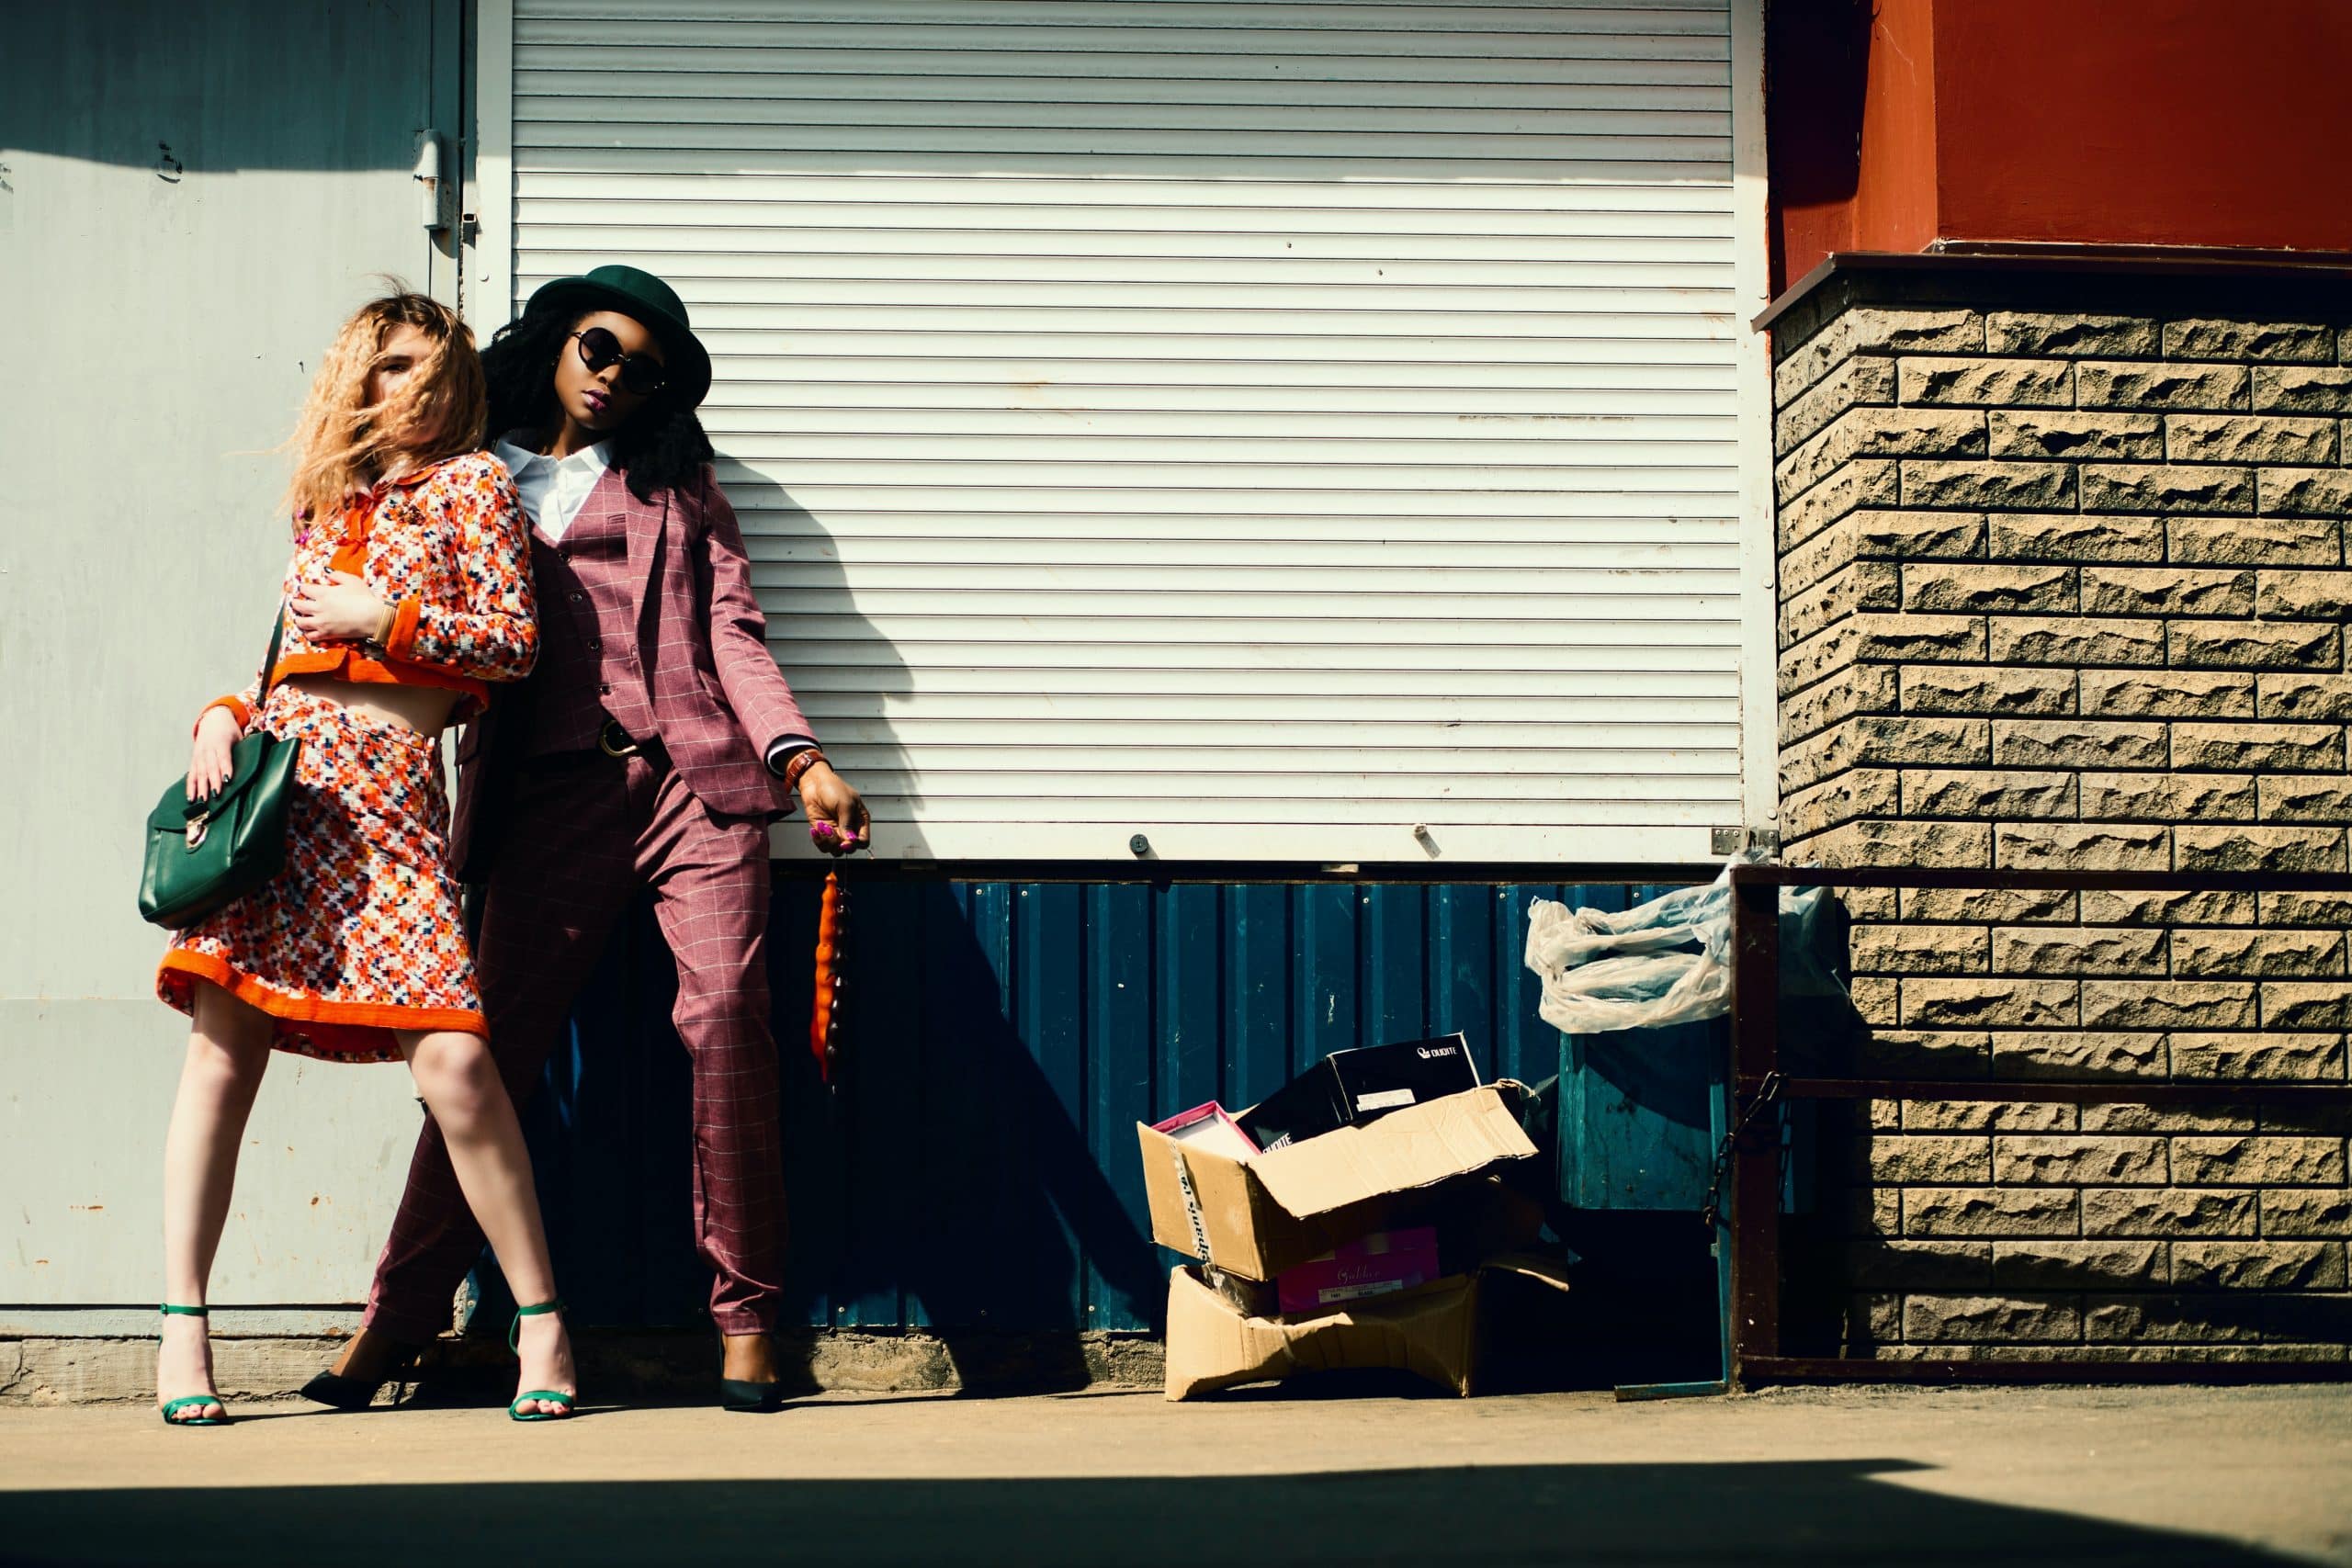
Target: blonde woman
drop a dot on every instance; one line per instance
(408, 596)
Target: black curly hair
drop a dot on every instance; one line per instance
(664, 447)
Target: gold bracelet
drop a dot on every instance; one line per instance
(384, 628)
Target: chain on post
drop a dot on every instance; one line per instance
(1770, 1092)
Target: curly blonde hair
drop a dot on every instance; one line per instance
(342, 443)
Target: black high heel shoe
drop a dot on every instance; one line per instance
(333, 1388)
(749, 1398)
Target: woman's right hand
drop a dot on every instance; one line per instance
(208, 765)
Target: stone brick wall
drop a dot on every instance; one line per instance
(2062, 583)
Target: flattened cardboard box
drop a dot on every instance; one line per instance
(1432, 1331)
(1258, 1216)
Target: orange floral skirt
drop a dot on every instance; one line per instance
(359, 935)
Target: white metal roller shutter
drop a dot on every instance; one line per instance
(1263, 426)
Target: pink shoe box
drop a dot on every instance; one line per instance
(1377, 1265)
(1208, 1127)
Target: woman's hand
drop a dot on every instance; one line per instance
(837, 820)
(341, 609)
(209, 766)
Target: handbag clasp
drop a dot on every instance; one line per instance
(195, 827)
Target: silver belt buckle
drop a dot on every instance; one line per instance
(614, 741)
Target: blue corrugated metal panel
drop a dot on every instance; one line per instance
(976, 1166)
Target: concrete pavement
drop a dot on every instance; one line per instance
(2149, 1476)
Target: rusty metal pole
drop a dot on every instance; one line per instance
(1756, 1147)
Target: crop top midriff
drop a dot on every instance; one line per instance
(448, 547)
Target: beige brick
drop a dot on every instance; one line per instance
(1943, 1161)
(2295, 797)
(1877, 740)
(2304, 695)
(1921, 1265)
(2258, 1265)
(2001, 1319)
(2067, 640)
(1875, 639)
(2296, 389)
(2070, 333)
(2004, 383)
(2166, 591)
(2078, 743)
(2251, 1161)
(2152, 487)
(1857, 689)
(1866, 481)
(2306, 910)
(2238, 953)
(2062, 1265)
(2077, 950)
(2306, 1212)
(1984, 1115)
(1990, 1212)
(2213, 337)
(2169, 908)
(1939, 792)
(1969, 587)
(2132, 693)
(2252, 541)
(2101, 384)
(2067, 435)
(2068, 846)
(1963, 689)
(1926, 1052)
(2078, 1161)
(2294, 1057)
(1883, 534)
(2306, 1004)
(1871, 843)
(2167, 797)
(2289, 492)
(1879, 433)
(1852, 383)
(1990, 487)
(1980, 1003)
(1856, 792)
(2233, 847)
(2167, 1211)
(2291, 1317)
(2169, 1004)
(1865, 585)
(1988, 906)
(2201, 1319)
(1871, 330)
(2248, 438)
(2261, 747)
(2165, 1119)
(2305, 595)
(2247, 645)
(1919, 949)
(2068, 535)
(2069, 1054)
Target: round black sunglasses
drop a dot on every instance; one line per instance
(641, 374)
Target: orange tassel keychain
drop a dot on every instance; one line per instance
(823, 1019)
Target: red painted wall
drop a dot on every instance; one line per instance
(1894, 123)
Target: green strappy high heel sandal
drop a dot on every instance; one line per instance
(185, 1401)
(551, 1396)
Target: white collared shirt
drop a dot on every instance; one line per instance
(553, 488)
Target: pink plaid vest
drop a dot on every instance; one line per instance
(588, 667)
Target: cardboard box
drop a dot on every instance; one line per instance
(1354, 1087)
(1257, 1216)
(1433, 1331)
(1375, 1265)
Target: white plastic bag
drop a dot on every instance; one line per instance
(1666, 961)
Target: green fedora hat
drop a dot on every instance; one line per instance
(645, 298)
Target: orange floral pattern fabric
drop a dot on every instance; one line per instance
(360, 934)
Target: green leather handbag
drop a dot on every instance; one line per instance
(202, 855)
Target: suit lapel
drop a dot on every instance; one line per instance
(642, 524)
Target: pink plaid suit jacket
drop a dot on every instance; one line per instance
(720, 701)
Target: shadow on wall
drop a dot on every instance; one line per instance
(1839, 1511)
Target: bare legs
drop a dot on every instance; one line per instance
(460, 1086)
(228, 1052)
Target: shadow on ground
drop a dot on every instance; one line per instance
(1843, 1511)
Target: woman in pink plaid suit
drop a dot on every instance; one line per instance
(652, 748)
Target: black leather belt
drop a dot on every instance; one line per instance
(614, 741)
